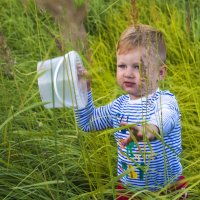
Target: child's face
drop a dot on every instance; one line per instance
(137, 73)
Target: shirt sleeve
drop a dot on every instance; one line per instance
(166, 114)
(94, 119)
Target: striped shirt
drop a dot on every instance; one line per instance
(145, 164)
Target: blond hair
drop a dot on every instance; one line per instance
(143, 36)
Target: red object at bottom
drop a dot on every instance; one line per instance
(179, 185)
(122, 196)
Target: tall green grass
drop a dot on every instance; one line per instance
(43, 153)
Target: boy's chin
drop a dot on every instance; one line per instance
(140, 94)
(134, 97)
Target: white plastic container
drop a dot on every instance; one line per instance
(60, 83)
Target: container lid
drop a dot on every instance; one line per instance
(72, 65)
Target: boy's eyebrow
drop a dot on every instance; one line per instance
(134, 64)
(137, 63)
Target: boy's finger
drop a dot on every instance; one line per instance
(88, 85)
(123, 124)
(82, 72)
(139, 134)
(126, 141)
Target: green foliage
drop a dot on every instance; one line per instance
(43, 154)
(79, 3)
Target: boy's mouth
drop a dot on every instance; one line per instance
(129, 84)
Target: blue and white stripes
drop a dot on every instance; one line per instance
(149, 164)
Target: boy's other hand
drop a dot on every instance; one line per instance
(149, 130)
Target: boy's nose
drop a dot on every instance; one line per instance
(129, 72)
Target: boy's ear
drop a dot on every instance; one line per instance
(163, 72)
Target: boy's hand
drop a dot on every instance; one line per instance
(138, 132)
(83, 73)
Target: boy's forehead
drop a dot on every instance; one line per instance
(138, 55)
(128, 49)
(139, 52)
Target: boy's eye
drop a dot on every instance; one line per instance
(136, 66)
(121, 66)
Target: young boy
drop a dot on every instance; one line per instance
(149, 142)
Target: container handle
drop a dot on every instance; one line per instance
(55, 79)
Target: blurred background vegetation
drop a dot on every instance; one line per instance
(43, 154)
